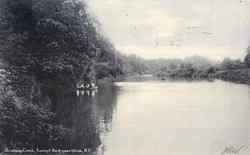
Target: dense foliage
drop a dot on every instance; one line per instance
(229, 64)
(133, 64)
(191, 67)
(235, 70)
(52, 42)
(247, 58)
(46, 46)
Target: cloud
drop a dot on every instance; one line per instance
(149, 28)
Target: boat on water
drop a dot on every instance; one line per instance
(89, 89)
(87, 86)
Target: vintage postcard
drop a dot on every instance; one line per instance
(124, 77)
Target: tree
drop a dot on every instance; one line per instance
(227, 63)
(47, 47)
(50, 43)
(247, 58)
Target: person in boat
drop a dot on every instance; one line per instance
(82, 86)
(90, 85)
(93, 84)
(87, 86)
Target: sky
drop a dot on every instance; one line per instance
(176, 28)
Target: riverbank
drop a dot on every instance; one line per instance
(237, 75)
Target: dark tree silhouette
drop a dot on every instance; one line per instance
(247, 58)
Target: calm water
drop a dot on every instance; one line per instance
(160, 118)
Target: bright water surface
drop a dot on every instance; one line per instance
(162, 118)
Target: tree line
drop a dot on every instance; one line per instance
(190, 67)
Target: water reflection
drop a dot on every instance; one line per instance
(179, 118)
(156, 117)
(88, 116)
(86, 92)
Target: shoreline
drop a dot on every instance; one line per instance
(241, 76)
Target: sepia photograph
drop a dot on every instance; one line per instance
(124, 77)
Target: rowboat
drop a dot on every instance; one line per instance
(87, 86)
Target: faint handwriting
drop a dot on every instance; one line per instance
(233, 150)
